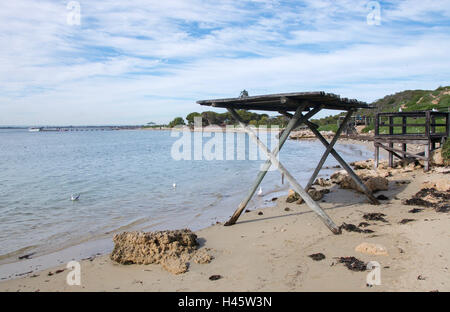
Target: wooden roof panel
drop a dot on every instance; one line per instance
(286, 101)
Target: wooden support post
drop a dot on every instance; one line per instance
(344, 164)
(293, 123)
(377, 148)
(377, 155)
(427, 157)
(328, 150)
(427, 147)
(391, 145)
(295, 185)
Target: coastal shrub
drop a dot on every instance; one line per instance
(178, 121)
(329, 127)
(446, 151)
(368, 128)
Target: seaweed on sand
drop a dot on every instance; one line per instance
(353, 228)
(375, 216)
(353, 263)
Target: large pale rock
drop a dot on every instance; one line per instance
(371, 249)
(436, 157)
(315, 195)
(202, 257)
(363, 164)
(292, 196)
(441, 185)
(174, 265)
(374, 180)
(152, 247)
(338, 176)
(322, 182)
(171, 249)
(376, 184)
(308, 134)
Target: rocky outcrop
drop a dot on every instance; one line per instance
(315, 195)
(171, 249)
(441, 185)
(363, 164)
(292, 196)
(374, 180)
(436, 157)
(322, 182)
(307, 134)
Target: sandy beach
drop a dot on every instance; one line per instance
(268, 250)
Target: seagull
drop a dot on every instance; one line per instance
(260, 191)
(74, 197)
(174, 185)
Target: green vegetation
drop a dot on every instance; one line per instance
(446, 151)
(178, 121)
(368, 128)
(329, 127)
(223, 119)
(409, 100)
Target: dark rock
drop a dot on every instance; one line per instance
(382, 197)
(317, 256)
(404, 221)
(26, 256)
(215, 277)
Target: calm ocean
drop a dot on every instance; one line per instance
(125, 179)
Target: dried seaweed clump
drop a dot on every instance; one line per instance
(430, 198)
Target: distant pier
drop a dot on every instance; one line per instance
(85, 128)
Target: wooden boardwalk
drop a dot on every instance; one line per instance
(425, 128)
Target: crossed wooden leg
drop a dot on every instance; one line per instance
(274, 161)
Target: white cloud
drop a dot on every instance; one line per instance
(139, 61)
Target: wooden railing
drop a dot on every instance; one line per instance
(424, 124)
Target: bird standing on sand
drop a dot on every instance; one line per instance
(74, 197)
(260, 191)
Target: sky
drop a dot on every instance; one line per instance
(102, 62)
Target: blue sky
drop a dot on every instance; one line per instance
(132, 62)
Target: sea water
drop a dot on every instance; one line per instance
(126, 182)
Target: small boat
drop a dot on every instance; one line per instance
(34, 129)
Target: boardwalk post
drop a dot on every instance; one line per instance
(295, 185)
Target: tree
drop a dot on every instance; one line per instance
(191, 116)
(178, 121)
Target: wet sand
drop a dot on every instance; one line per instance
(269, 251)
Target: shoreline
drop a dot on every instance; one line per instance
(13, 268)
(267, 250)
(339, 202)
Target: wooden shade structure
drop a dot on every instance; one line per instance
(297, 102)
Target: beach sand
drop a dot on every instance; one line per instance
(269, 252)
